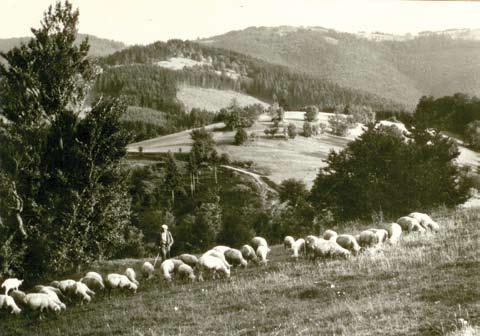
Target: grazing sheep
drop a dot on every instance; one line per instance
(186, 272)
(416, 227)
(8, 303)
(394, 233)
(368, 238)
(81, 291)
(381, 233)
(93, 283)
(40, 302)
(328, 248)
(120, 281)
(217, 254)
(330, 234)
(425, 221)
(287, 242)
(64, 285)
(167, 267)
(298, 246)
(130, 273)
(212, 265)
(53, 296)
(221, 248)
(258, 241)
(248, 253)
(235, 257)
(18, 296)
(188, 259)
(310, 241)
(262, 253)
(405, 222)
(57, 291)
(11, 283)
(147, 270)
(96, 276)
(348, 242)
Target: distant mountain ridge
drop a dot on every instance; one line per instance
(99, 47)
(400, 68)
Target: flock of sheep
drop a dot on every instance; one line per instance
(213, 263)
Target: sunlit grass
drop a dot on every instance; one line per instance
(422, 286)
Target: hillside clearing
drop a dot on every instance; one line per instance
(422, 286)
(277, 158)
(213, 99)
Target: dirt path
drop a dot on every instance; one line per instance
(264, 187)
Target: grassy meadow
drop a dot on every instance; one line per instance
(422, 286)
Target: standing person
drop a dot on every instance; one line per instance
(166, 242)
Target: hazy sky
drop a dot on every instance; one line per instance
(145, 21)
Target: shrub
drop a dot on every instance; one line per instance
(380, 172)
(339, 124)
(241, 137)
(292, 131)
(311, 113)
(307, 129)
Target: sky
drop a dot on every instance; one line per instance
(146, 21)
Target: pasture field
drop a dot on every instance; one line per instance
(278, 157)
(422, 286)
(212, 99)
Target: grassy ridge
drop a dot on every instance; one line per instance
(419, 287)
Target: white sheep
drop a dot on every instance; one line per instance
(416, 227)
(368, 238)
(81, 291)
(219, 255)
(262, 253)
(235, 257)
(130, 273)
(287, 242)
(188, 259)
(167, 267)
(57, 291)
(298, 246)
(221, 248)
(147, 270)
(186, 272)
(382, 235)
(328, 248)
(18, 296)
(213, 265)
(93, 283)
(394, 233)
(53, 295)
(8, 303)
(258, 241)
(310, 241)
(96, 276)
(425, 221)
(120, 281)
(248, 253)
(11, 283)
(405, 222)
(64, 285)
(330, 234)
(348, 242)
(40, 302)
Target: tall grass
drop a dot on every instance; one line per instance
(422, 286)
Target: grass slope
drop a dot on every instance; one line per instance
(277, 158)
(213, 99)
(421, 286)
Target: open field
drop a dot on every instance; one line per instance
(420, 287)
(213, 99)
(277, 158)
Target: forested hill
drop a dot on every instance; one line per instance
(98, 46)
(394, 67)
(150, 74)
